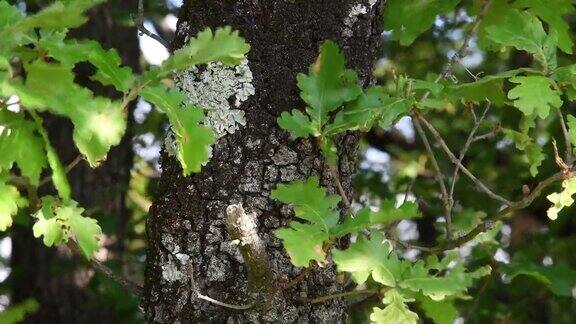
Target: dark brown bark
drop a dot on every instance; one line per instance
(55, 277)
(187, 230)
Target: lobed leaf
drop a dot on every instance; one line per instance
(422, 15)
(8, 204)
(193, 139)
(328, 84)
(534, 96)
(304, 242)
(20, 145)
(396, 310)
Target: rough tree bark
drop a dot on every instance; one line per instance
(53, 276)
(190, 249)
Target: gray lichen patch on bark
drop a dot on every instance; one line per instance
(358, 9)
(213, 88)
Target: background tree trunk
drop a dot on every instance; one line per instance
(52, 276)
(186, 227)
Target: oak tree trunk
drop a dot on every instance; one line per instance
(190, 249)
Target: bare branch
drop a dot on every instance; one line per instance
(455, 160)
(466, 146)
(484, 136)
(139, 21)
(438, 173)
(460, 53)
(124, 282)
(504, 213)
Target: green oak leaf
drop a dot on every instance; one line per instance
(553, 13)
(107, 62)
(16, 313)
(374, 107)
(566, 79)
(59, 178)
(387, 214)
(559, 278)
(304, 241)
(571, 123)
(86, 231)
(562, 199)
(535, 157)
(454, 282)
(533, 95)
(193, 139)
(534, 154)
(441, 312)
(370, 257)
(520, 30)
(49, 225)
(51, 17)
(328, 84)
(224, 45)
(310, 201)
(20, 144)
(525, 32)
(8, 204)
(489, 88)
(298, 124)
(98, 126)
(422, 15)
(395, 312)
(58, 223)
(109, 71)
(99, 123)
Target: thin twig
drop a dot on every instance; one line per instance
(223, 304)
(124, 282)
(67, 169)
(455, 160)
(467, 146)
(484, 136)
(438, 173)
(489, 223)
(343, 294)
(298, 279)
(336, 178)
(139, 21)
(447, 70)
(408, 189)
(504, 213)
(199, 295)
(567, 142)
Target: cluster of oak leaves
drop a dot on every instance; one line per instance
(36, 62)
